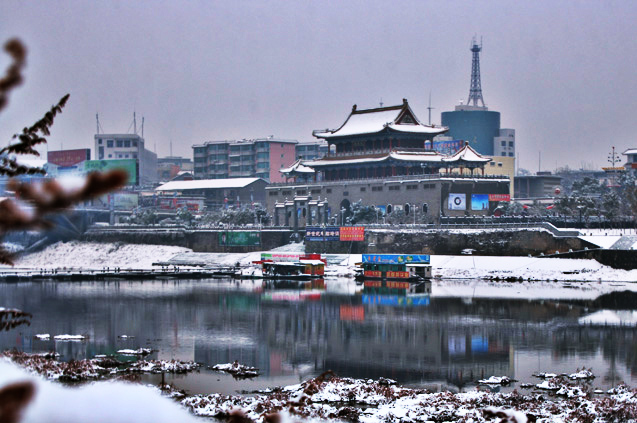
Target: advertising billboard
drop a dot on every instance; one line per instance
(328, 233)
(66, 158)
(448, 147)
(457, 202)
(396, 258)
(239, 239)
(129, 165)
(352, 233)
(499, 197)
(479, 201)
(124, 200)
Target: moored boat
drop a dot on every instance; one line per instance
(406, 268)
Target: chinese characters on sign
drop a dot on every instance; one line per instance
(352, 233)
(315, 233)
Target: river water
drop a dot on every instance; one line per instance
(294, 331)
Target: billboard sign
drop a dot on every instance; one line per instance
(479, 201)
(448, 147)
(457, 202)
(239, 238)
(499, 197)
(317, 233)
(124, 200)
(66, 158)
(352, 233)
(396, 258)
(129, 165)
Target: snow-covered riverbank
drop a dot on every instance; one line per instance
(88, 255)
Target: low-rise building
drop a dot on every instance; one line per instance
(128, 147)
(219, 193)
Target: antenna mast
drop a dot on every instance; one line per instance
(142, 126)
(475, 92)
(430, 108)
(134, 124)
(97, 121)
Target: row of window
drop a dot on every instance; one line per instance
(504, 143)
(409, 187)
(118, 143)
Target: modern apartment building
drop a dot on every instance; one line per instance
(258, 158)
(128, 146)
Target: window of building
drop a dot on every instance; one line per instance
(134, 143)
(363, 189)
(394, 188)
(510, 154)
(504, 143)
(301, 192)
(499, 164)
(287, 192)
(273, 194)
(345, 193)
(329, 190)
(99, 141)
(134, 155)
(316, 191)
(410, 187)
(109, 144)
(492, 164)
(127, 143)
(120, 143)
(429, 186)
(126, 156)
(511, 143)
(375, 189)
(110, 155)
(281, 155)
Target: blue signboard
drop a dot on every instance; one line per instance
(448, 147)
(328, 233)
(395, 300)
(396, 258)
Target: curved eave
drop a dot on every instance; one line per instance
(403, 129)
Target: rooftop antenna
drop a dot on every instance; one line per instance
(430, 108)
(475, 91)
(134, 123)
(97, 121)
(142, 126)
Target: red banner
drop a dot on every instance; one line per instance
(397, 274)
(373, 273)
(499, 197)
(352, 233)
(373, 284)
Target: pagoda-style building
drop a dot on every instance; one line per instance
(383, 157)
(378, 143)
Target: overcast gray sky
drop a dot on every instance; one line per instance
(562, 73)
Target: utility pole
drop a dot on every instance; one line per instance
(430, 108)
(612, 159)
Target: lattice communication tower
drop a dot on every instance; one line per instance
(475, 92)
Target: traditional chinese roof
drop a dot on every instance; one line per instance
(370, 121)
(424, 156)
(466, 155)
(297, 167)
(630, 151)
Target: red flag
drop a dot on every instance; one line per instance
(525, 207)
(550, 207)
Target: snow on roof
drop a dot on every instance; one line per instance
(371, 121)
(297, 167)
(410, 156)
(630, 151)
(206, 184)
(467, 154)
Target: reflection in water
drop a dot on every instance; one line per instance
(293, 330)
